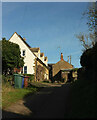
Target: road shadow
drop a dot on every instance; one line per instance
(46, 101)
(11, 115)
(50, 103)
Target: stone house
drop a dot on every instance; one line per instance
(60, 70)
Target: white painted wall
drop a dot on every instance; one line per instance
(39, 54)
(29, 56)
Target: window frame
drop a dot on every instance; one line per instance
(25, 70)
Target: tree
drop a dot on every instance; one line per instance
(11, 57)
(89, 40)
(86, 58)
(91, 13)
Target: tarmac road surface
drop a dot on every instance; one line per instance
(50, 102)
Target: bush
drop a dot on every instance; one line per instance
(46, 81)
(31, 77)
(8, 78)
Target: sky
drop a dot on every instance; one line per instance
(52, 26)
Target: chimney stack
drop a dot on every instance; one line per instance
(24, 39)
(61, 56)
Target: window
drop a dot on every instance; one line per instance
(23, 53)
(25, 69)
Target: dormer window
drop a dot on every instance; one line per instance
(23, 52)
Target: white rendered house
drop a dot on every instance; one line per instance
(29, 57)
(32, 57)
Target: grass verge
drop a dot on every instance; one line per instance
(11, 95)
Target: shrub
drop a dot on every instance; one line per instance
(46, 81)
(8, 78)
(31, 77)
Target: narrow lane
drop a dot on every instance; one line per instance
(57, 104)
(50, 102)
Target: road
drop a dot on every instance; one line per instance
(50, 102)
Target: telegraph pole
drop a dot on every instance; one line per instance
(70, 59)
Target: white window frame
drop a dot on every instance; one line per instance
(24, 70)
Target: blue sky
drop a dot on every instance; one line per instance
(52, 26)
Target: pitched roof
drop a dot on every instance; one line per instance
(21, 39)
(29, 47)
(61, 65)
(42, 63)
(41, 54)
(24, 41)
(34, 49)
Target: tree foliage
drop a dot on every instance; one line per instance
(11, 57)
(88, 59)
(90, 13)
(89, 40)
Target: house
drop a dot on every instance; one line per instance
(32, 56)
(42, 71)
(36, 51)
(60, 70)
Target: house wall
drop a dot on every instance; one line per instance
(46, 76)
(74, 75)
(64, 75)
(46, 73)
(29, 59)
(55, 70)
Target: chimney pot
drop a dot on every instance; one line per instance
(61, 56)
